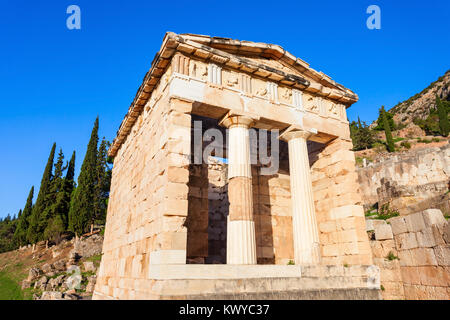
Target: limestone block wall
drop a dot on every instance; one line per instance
(340, 216)
(420, 266)
(143, 228)
(406, 179)
(197, 218)
(218, 211)
(383, 244)
(273, 216)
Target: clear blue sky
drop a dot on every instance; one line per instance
(55, 81)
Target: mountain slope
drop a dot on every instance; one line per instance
(419, 105)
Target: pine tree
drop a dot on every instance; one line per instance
(35, 230)
(361, 135)
(444, 125)
(387, 131)
(20, 235)
(365, 135)
(82, 202)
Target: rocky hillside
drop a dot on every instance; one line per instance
(419, 105)
(66, 271)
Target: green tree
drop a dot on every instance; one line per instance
(354, 134)
(70, 174)
(82, 202)
(102, 184)
(65, 194)
(20, 235)
(7, 230)
(380, 122)
(444, 125)
(57, 210)
(387, 131)
(361, 135)
(35, 230)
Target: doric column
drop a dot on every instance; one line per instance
(305, 233)
(241, 241)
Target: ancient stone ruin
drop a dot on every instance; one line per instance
(251, 219)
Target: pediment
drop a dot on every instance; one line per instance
(263, 54)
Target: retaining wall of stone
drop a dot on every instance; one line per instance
(419, 266)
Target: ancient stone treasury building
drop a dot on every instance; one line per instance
(234, 178)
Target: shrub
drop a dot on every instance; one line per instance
(391, 256)
(406, 144)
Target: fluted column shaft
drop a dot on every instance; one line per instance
(241, 239)
(305, 233)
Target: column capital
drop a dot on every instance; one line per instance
(238, 119)
(295, 132)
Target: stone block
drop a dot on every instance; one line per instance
(437, 235)
(328, 226)
(415, 222)
(432, 276)
(383, 232)
(177, 160)
(167, 257)
(176, 208)
(377, 249)
(442, 254)
(406, 258)
(446, 233)
(89, 266)
(393, 290)
(371, 223)
(433, 217)
(350, 248)
(346, 211)
(388, 246)
(423, 257)
(347, 236)
(410, 275)
(425, 238)
(398, 225)
(390, 275)
(179, 118)
(364, 247)
(331, 250)
(178, 175)
(180, 105)
(406, 241)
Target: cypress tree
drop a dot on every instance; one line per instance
(20, 234)
(82, 202)
(380, 122)
(65, 193)
(55, 213)
(387, 131)
(444, 125)
(70, 174)
(35, 230)
(102, 184)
